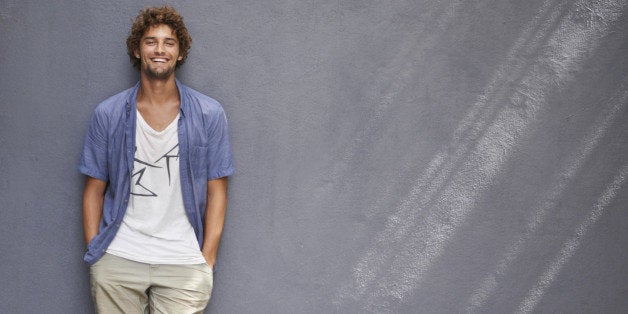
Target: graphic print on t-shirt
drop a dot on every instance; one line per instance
(145, 167)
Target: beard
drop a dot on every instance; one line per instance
(158, 74)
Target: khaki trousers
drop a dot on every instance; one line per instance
(123, 286)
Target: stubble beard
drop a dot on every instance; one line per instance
(158, 75)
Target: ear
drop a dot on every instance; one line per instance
(136, 52)
(180, 58)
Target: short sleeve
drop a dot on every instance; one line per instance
(93, 161)
(220, 162)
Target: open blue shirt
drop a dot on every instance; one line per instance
(108, 152)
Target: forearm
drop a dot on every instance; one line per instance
(93, 199)
(214, 218)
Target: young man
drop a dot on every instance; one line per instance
(157, 157)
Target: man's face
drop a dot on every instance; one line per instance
(159, 52)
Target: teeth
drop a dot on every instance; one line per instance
(159, 60)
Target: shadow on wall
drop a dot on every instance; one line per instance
(541, 64)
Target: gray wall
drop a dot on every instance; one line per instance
(392, 156)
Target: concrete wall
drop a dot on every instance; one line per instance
(392, 156)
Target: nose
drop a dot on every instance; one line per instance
(160, 48)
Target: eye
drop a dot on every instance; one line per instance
(170, 44)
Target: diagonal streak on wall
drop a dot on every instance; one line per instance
(445, 193)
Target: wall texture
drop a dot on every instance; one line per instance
(392, 156)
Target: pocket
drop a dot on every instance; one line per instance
(105, 256)
(211, 270)
(204, 268)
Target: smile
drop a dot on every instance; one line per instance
(160, 60)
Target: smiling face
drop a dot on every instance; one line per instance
(158, 52)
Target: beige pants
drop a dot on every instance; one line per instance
(123, 286)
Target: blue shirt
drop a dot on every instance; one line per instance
(108, 152)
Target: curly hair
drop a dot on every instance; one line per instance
(154, 16)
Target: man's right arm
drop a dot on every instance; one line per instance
(93, 199)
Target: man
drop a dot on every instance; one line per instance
(157, 157)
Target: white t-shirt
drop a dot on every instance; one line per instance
(155, 228)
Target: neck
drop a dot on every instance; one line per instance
(154, 92)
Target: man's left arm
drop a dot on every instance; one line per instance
(214, 218)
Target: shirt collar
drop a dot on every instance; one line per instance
(183, 107)
(131, 103)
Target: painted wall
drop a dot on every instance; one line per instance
(392, 156)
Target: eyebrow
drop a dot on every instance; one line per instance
(154, 37)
